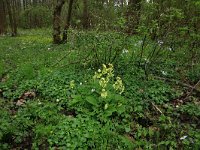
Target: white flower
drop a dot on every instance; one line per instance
(147, 60)
(161, 14)
(124, 51)
(92, 90)
(57, 100)
(81, 83)
(49, 48)
(140, 42)
(169, 48)
(164, 73)
(99, 70)
(160, 42)
(183, 137)
(39, 103)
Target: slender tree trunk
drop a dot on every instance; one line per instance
(56, 21)
(67, 25)
(85, 14)
(2, 17)
(14, 13)
(11, 18)
(122, 3)
(24, 4)
(9, 14)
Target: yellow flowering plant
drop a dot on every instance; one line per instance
(101, 96)
(72, 84)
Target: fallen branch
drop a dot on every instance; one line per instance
(156, 108)
(191, 91)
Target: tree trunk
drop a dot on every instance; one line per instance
(67, 21)
(85, 14)
(12, 19)
(24, 4)
(122, 3)
(14, 13)
(2, 17)
(56, 21)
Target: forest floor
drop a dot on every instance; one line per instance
(146, 96)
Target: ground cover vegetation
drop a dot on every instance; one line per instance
(124, 75)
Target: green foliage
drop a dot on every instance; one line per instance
(159, 92)
(99, 97)
(35, 17)
(26, 71)
(191, 109)
(85, 133)
(101, 48)
(124, 106)
(5, 126)
(194, 74)
(1, 69)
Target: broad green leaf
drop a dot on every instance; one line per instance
(109, 111)
(91, 100)
(76, 99)
(121, 109)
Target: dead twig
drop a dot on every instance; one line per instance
(193, 88)
(156, 108)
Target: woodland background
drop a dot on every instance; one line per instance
(100, 74)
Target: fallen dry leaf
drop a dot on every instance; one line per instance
(28, 94)
(20, 102)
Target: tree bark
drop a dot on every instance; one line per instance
(56, 21)
(12, 18)
(67, 24)
(2, 17)
(14, 13)
(85, 14)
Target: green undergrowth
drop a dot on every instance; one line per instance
(63, 97)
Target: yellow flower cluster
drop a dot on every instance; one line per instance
(72, 84)
(103, 82)
(104, 93)
(106, 73)
(118, 85)
(104, 77)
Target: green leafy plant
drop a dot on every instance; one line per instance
(99, 97)
(86, 133)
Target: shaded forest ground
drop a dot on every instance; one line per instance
(49, 100)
